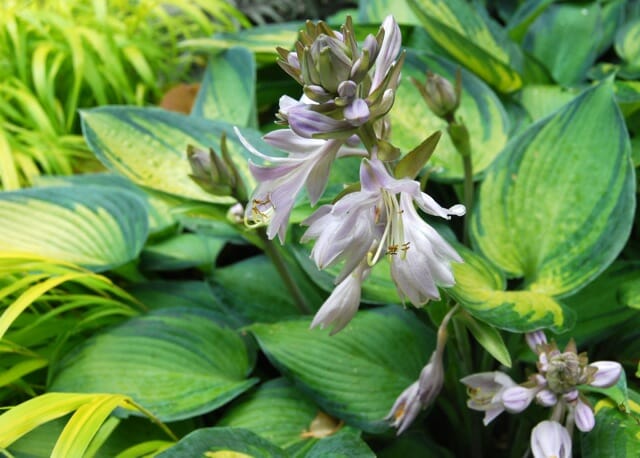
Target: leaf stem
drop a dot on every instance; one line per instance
(272, 250)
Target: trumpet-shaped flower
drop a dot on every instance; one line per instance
(485, 393)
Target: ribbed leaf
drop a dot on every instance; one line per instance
(551, 39)
(557, 206)
(480, 110)
(228, 88)
(276, 411)
(93, 226)
(356, 374)
(464, 34)
(175, 362)
(223, 443)
(344, 444)
(480, 289)
(616, 433)
(181, 252)
(149, 147)
(541, 101)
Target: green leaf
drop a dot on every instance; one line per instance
(208, 441)
(176, 362)
(488, 337)
(228, 88)
(343, 444)
(148, 146)
(524, 16)
(541, 101)
(557, 206)
(551, 39)
(276, 411)
(254, 289)
(616, 433)
(474, 42)
(480, 110)
(480, 289)
(375, 11)
(182, 252)
(627, 43)
(261, 40)
(357, 374)
(96, 227)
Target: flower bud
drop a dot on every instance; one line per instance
(550, 439)
(440, 95)
(546, 398)
(535, 339)
(608, 373)
(517, 398)
(584, 418)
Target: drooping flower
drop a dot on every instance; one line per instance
(549, 439)
(406, 408)
(485, 391)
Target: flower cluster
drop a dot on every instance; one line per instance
(348, 90)
(557, 384)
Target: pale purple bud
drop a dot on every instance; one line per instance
(292, 59)
(571, 395)
(388, 52)
(535, 339)
(347, 89)
(607, 375)
(584, 418)
(405, 409)
(546, 398)
(517, 398)
(549, 439)
(357, 112)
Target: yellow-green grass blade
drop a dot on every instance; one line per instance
(20, 369)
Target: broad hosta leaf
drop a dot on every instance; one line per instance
(603, 305)
(357, 374)
(375, 11)
(228, 88)
(344, 444)
(628, 97)
(276, 411)
(149, 145)
(223, 443)
(480, 289)
(522, 18)
(551, 39)
(542, 100)
(464, 34)
(176, 362)
(254, 289)
(557, 205)
(261, 40)
(181, 252)
(616, 433)
(480, 110)
(93, 226)
(627, 44)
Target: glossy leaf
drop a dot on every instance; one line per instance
(480, 110)
(374, 11)
(464, 34)
(181, 252)
(96, 227)
(627, 43)
(556, 207)
(157, 359)
(551, 39)
(227, 90)
(616, 433)
(356, 374)
(149, 145)
(276, 411)
(480, 289)
(223, 443)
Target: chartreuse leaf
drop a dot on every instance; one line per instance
(148, 146)
(480, 289)
(541, 101)
(96, 227)
(223, 443)
(276, 411)
(480, 110)
(357, 374)
(175, 362)
(551, 39)
(557, 205)
(261, 40)
(616, 433)
(91, 410)
(375, 11)
(627, 44)
(228, 88)
(481, 47)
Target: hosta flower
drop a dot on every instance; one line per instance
(307, 164)
(380, 220)
(406, 408)
(345, 85)
(549, 439)
(485, 393)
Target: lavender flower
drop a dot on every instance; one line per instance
(549, 439)
(485, 393)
